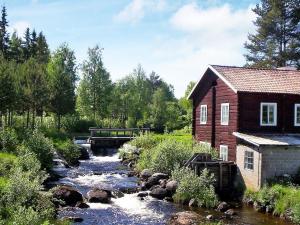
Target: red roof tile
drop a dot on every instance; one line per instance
(260, 80)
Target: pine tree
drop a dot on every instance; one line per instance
(26, 45)
(15, 48)
(277, 40)
(4, 36)
(33, 44)
(42, 52)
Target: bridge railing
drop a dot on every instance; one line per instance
(117, 132)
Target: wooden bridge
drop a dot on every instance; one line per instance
(113, 137)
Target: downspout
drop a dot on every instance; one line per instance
(213, 116)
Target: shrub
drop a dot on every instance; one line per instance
(8, 140)
(7, 162)
(145, 141)
(69, 151)
(195, 187)
(42, 147)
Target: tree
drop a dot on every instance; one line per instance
(15, 48)
(42, 49)
(96, 86)
(26, 45)
(63, 76)
(277, 40)
(4, 36)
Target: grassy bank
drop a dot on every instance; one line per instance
(166, 153)
(279, 199)
(25, 158)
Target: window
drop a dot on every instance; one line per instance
(297, 114)
(224, 113)
(203, 114)
(224, 152)
(248, 160)
(268, 114)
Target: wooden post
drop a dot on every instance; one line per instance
(221, 176)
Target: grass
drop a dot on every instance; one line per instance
(282, 198)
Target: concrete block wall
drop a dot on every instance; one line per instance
(250, 178)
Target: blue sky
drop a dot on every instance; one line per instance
(175, 38)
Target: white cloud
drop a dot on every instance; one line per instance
(19, 27)
(210, 36)
(136, 10)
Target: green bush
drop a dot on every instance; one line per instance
(195, 187)
(69, 151)
(145, 141)
(7, 162)
(42, 147)
(8, 140)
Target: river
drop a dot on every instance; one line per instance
(105, 170)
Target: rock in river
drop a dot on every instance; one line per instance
(145, 174)
(223, 206)
(98, 195)
(68, 194)
(159, 193)
(185, 218)
(172, 186)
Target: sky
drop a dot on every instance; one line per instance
(175, 38)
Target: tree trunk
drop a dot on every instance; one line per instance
(27, 119)
(33, 119)
(1, 119)
(58, 122)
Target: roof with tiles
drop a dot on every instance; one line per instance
(244, 79)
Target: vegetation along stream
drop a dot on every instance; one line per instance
(105, 171)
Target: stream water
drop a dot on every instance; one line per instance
(105, 170)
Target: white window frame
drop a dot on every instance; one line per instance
(222, 118)
(224, 156)
(246, 162)
(262, 104)
(297, 107)
(203, 117)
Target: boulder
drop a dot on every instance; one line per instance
(258, 207)
(98, 195)
(82, 205)
(160, 176)
(142, 194)
(172, 186)
(169, 199)
(193, 203)
(145, 174)
(185, 218)
(163, 183)
(69, 195)
(151, 182)
(209, 217)
(131, 174)
(230, 212)
(159, 193)
(117, 194)
(84, 154)
(75, 219)
(223, 206)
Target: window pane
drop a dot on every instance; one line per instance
(265, 114)
(298, 115)
(271, 114)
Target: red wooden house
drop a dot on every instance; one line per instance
(243, 111)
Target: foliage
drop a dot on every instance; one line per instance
(144, 141)
(96, 86)
(192, 186)
(7, 162)
(282, 198)
(69, 151)
(42, 147)
(276, 42)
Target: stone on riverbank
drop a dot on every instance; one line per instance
(84, 154)
(172, 186)
(145, 174)
(74, 219)
(159, 193)
(193, 203)
(223, 206)
(160, 176)
(69, 195)
(230, 212)
(82, 205)
(185, 218)
(99, 196)
(142, 194)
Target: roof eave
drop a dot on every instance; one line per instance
(216, 73)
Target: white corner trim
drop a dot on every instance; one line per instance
(297, 107)
(216, 73)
